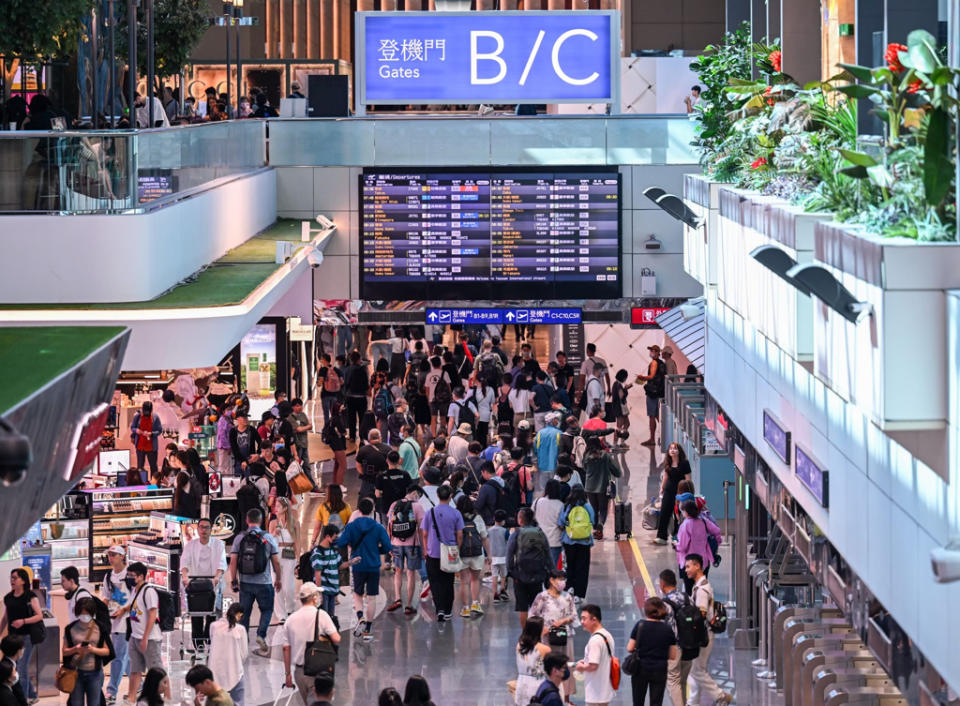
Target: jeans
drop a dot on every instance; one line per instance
(378, 351)
(555, 553)
(655, 681)
(151, 457)
(263, 594)
(356, 406)
(236, 693)
(441, 586)
(23, 668)
(88, 685)
(578, 568)
(326, 404)
(120, 665)
(328, 603)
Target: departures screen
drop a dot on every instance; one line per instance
(490, 234)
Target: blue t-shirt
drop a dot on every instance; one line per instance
(272, 549)
(367, 539)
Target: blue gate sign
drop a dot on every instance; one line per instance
(470, 316)
(488, 57)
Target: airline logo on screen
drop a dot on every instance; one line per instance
(488, 57)
(502, 316)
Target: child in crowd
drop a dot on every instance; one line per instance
(498, 556)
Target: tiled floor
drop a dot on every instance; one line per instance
(470, 661)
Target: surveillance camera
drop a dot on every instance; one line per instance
(945, 562)
(15, 455)
(315, 258)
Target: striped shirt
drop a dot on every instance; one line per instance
(327, 562)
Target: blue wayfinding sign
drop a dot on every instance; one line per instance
(489, 57)
(532, 315)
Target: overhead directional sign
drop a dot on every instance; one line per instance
(531, 315)
(488, 57)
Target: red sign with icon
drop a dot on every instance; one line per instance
(87, 441)
(646, 315)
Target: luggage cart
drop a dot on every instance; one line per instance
(201, 595)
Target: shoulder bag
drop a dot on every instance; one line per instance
(66, 677)
(614, 666)
(320, 655)
(450, 562)
(630, 664)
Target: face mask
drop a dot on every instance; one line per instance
(566, 673)
(130, 582)
(85, 618)
(561, 584)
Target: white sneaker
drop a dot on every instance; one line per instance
(262, 648)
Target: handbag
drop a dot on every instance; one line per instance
(557, 636)
(66, 679)
(631, 663)
(450, 562)
(608, 413)
(319, 656)
(300, 483)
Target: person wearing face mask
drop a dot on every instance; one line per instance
(8, 677)
(86, 648)
(559, 614)
(10, 648)
(116, 593)
(557, 671)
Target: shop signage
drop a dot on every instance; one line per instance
(298, 331)
(776, 436)
(646, 315)
(739, 459)
(86, 442)
(720, 428)
(488, 57)
(812, 475)
(502, 316)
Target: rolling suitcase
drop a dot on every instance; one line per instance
(622, 517)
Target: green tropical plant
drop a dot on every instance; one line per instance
(179, 26)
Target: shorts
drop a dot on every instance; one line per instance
(140, 661)
(438, 410)
(499, 570)
(524, 593)
(366, 583)
(474, 563)
(653, 406)
(407, 557)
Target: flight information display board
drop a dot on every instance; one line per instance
(490, 234)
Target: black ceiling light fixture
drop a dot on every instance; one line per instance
(824, 286)
(15, 454)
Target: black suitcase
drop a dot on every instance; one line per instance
(622, 517)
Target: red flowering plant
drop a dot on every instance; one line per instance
(913, 95)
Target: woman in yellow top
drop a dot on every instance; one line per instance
(334, 511)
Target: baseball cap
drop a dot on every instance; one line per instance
(309, 589)
(667, 349)
(117, 549)
(654, 347)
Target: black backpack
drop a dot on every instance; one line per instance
(305, 566)
(655, 387)
(471, 544)
(466, 414)
(403, 523)
(166, 610)
(691, 625)
(248, 497)
(719, 622)
(511, 498)
(490, 369)
(253, 555)
(533, 556)
(441, 392)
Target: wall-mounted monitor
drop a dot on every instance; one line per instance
(490, 234)
(777, 436)
(812, 474)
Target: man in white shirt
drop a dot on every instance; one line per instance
(699, 676)
(595, 665)
(116, 593)
(145, 636)
(299, 629)
(206, 557)
(586, 368)
(70, 583)
(459, 443)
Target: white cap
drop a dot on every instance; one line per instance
(117, 549)
(309, 589)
